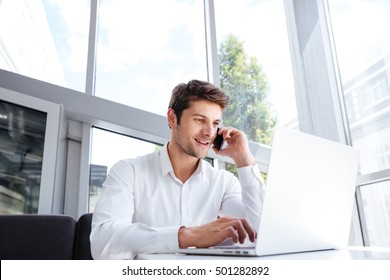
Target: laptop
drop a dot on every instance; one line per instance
(308, 200)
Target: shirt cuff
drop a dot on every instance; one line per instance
(249, 176)
(169, 237)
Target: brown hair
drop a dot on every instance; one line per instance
(183, 94)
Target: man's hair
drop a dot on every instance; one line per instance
(183, 94)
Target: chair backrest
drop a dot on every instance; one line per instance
(83, 245)
(37, 237)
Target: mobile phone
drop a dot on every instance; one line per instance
(218, 141)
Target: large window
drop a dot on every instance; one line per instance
(255, 66)
(145, 48)
(29, 135)
(140, 66)
(22, 135)
(107, 149)
(45, 40)
(376, 207)
(362, 41)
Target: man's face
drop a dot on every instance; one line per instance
(197, 129)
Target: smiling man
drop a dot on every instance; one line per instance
(172, 198)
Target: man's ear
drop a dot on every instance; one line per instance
(172, 120)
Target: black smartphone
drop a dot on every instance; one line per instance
(218, 141)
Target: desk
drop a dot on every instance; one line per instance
(348, 253)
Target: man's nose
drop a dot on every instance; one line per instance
(209, 129)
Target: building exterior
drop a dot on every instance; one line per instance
(367, 97)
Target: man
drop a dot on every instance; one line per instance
(172, 198)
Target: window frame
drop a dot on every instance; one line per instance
(49, 175)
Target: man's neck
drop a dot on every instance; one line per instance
(183, 164)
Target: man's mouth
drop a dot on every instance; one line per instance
(202, 141)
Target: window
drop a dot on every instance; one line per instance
(45, 40)
(362, 42)
(255, 66)
(29, 134)
(363, 45)
(376, 91)
(376, 213)
(383, 157)
(107, 149)
(22, 137)
(145, 48)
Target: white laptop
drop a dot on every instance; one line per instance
(308, 199)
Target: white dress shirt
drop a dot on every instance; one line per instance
(143, 204)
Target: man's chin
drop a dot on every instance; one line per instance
(200, 155)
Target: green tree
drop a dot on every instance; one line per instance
(243, 79)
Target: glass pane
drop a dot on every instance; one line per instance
(376, 212)
(46, 40)
(107, 149)
(255, 66)
(22, 135)
(146, 48)
(362, 39)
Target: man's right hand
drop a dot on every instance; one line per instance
(211, 234)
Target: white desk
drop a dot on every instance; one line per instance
(349, 253)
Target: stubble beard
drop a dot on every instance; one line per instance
(187, 147)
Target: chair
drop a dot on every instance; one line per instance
(83, 245)
(37, 237)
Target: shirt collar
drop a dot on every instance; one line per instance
(166, 165)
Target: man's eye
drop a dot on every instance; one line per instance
(200, 120)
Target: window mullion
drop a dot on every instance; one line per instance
(211, 43)
(92, 38)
